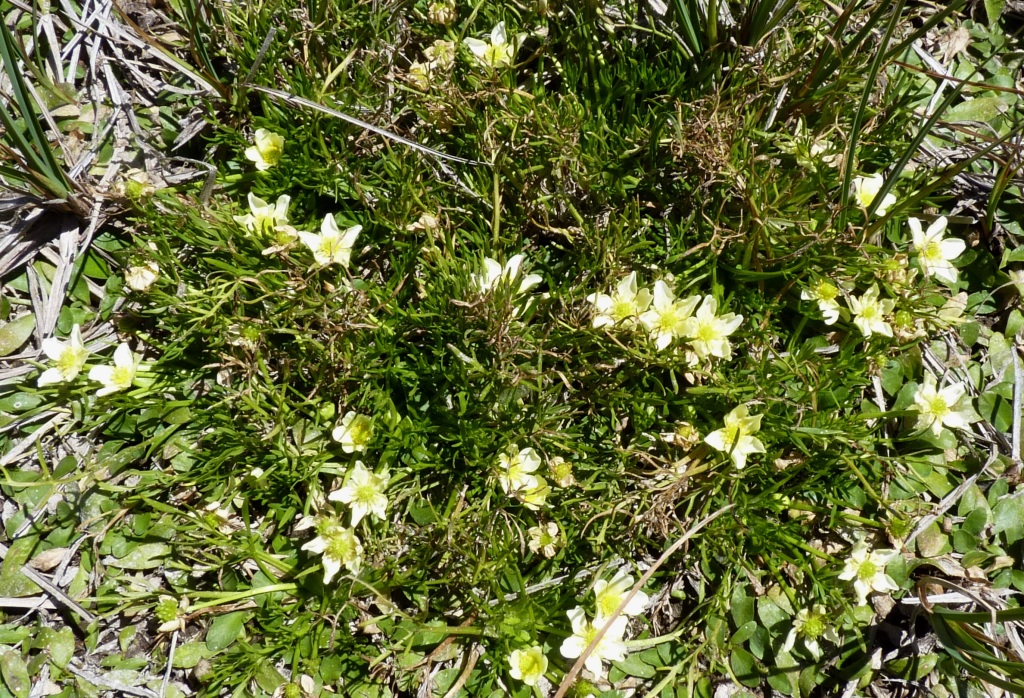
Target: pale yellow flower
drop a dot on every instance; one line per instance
(516, 468)
(535, 497)
(867, 570)
(354, 432)
(141, 277)
(827, 296)
(935, 254)
(364, 493)
(611, 647)
(870, 312)
(736, 438)
(528, 665)
(938, 408)
(266, 149)
(666, 321)
(331, 245)
(496, 53)
(268, 219)
(335, 544)
(811, 626)
(623, 307)
(609, 594)
(545, 539)
(709, 333)
(865, 189)
(494, 274)
(121, 375)
(69, 357)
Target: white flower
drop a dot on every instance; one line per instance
(935, 254)
(869, 313)
(336, 544)
(811, 625)
(610, 648)
(623, 306)
(121, 375)
(535, 497)
(70, 358)
(494, 54)
(266, 149)
(865, 190)
(709, 333)
(364, 493)
(354, 432)
(667, 319)
(867, 570)
(268, 219)
(545, 539)
(141, 277)
(331, 245)
(528, 665)
(937, 408)
(826, 294)
(609, 594)
(515, 469)
(494, 274)
(736, 438)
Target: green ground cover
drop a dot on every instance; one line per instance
(542, 349)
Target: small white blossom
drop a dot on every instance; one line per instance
(622, 307)
(441, 54)
(736, 437)
(666, 321)
(865, 190)
(870, 313)
(536, 497)
(354, 432)
(266, 149)
(867, 570)
(364, 493)
(811, 626)
(935, 254)
(611, 648)
(545, 539)
(709, 333)
(516, 468)
(268, 219)
(121, 375)
(494, 274)
(331, 245)
(609, 594)
(528, 665)
(937, 408)
(336, 545)
(141, 277)
(69, 358)
(496, 53)
(826, 294)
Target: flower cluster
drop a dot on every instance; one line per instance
(331, 245)
(667, 318)
(70, 357)
(439, 60)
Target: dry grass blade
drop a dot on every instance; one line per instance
(309, 104)
(571, 675)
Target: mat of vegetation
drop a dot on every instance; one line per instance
(421, 348)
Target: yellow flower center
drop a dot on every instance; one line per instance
(932, 252)
(70, 361)
(341, 546)
(938, 406)
(529, 664)
(866, 571)
(122, 376)
(607, 603)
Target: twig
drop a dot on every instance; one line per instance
(170, 663)
(56, 594)
(570, 677)
(471, 660)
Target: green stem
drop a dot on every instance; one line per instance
(217, 598)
